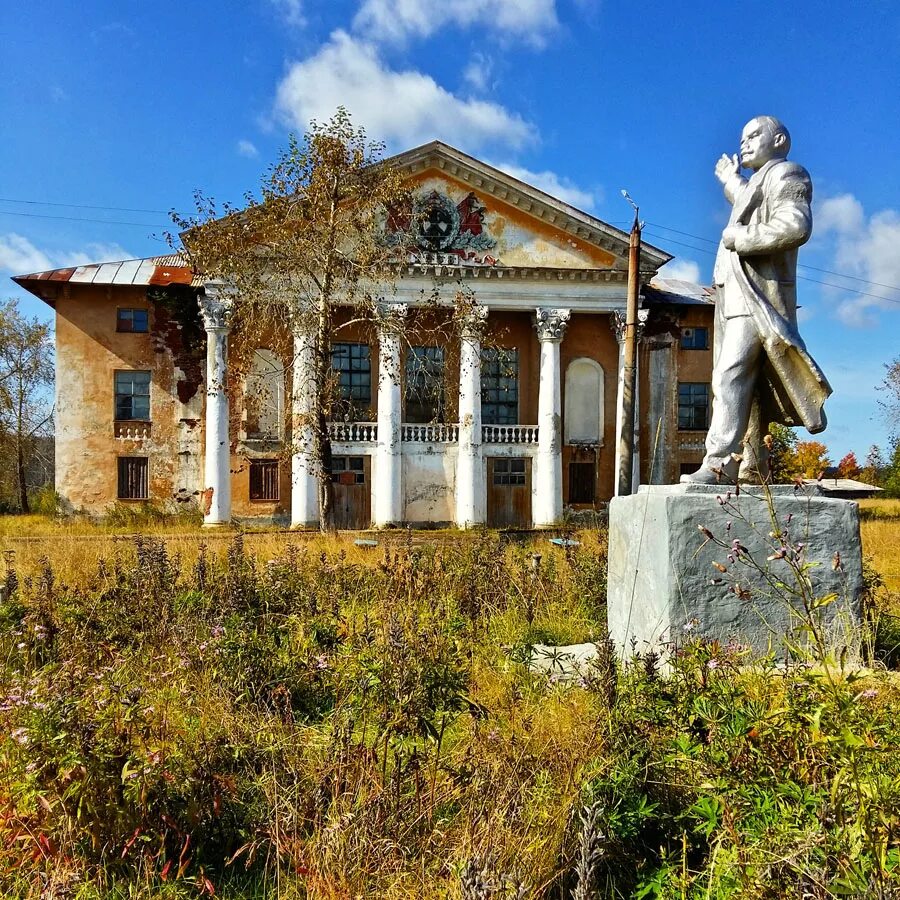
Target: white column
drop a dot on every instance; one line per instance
(470, 499)
(617, 324)
(304, 468)
(215, 308)
(548, 500)
(387, 481)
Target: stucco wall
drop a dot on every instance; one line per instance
(89, 352)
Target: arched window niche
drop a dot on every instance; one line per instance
(584, 411)
(264, 397)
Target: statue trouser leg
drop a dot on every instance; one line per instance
(755, 463)
(738, 358)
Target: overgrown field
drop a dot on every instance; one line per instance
(274, 715)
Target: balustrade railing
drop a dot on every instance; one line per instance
(353, 432)
(509, 434)
(430, 434)
(132, 431)
(444, 433)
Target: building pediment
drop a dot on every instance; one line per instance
(469, 211)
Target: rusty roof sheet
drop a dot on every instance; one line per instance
(172, 268)
(675, 290)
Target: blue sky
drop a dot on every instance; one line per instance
(134, 105)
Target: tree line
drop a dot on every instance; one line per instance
(26, 408)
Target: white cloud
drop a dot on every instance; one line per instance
(681, 270)
(291, 11)
(397, 20)
(20, 256)
(864, 247)
(477, 73)
(551, 183)
(247, 148)
(93, 253)
(403, 108)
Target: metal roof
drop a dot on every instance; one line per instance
(153, 270)
(674, 290)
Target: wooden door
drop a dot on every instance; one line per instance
(351, 476)
(509, 492)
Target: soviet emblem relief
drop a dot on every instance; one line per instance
(438, 225)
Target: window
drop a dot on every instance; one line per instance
(693, 406)
(132, 320)
(132, 395)
(499, 386)
(581, 482)
(425, 384)
(353, 368)
(695, 338)
(263, 479)
(509, 471)
(134, 480)
(348, 470)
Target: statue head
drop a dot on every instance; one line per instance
(764, 138)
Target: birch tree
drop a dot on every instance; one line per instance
(26, 410)
(309, 242)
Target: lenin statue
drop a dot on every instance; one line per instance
(762, 371)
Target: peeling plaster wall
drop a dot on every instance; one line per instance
(89, 351)
(522, 239)
(429, 482)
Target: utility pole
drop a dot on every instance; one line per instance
(626, 441)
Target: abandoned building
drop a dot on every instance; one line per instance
(146, 410)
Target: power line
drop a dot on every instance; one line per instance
(163, 212)
(4, 212)
(655, 225)
(890, 287)
(839, 287)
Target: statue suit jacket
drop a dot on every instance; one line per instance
(772, 213)
(758, 278)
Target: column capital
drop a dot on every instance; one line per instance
(472, 319)
(617, 323)
(551, 323)
(215, 305)
(390, 316)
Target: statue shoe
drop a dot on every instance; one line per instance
(703, 476)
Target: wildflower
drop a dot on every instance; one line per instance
(321, 661)
(867, 694)
(21, 645)
(720, 501)
(713, 664)
(217, 631)
(20, 735)
(689, 626)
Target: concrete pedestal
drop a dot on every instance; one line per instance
(665, 586)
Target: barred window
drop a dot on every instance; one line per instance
(352, 366)
(509, 471)
(136, 320)
(499, 386)
(134, 478)
(425, 384)
(695, 338)
(132, 395)
(693, 406)
(263, 479)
